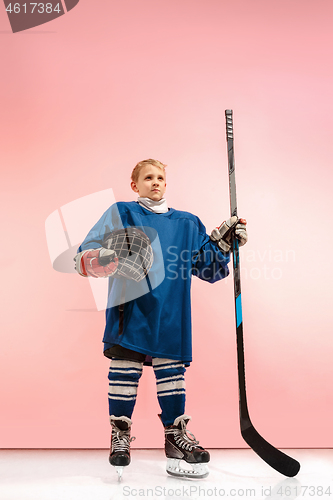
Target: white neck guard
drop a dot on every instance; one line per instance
(158, 207)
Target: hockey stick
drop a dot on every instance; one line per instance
(275, 458)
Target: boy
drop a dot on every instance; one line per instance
(148, 316)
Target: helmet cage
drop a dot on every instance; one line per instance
(134, 251)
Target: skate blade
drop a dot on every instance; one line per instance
(198, 471)
(119, 470)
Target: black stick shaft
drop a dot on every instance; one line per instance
(243, 408)
(275, 458)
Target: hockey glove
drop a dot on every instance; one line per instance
(98, 263)
(222, 235)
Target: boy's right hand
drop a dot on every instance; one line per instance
(98, 263)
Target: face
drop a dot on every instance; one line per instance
(151, 183)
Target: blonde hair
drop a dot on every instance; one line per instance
(139, 166)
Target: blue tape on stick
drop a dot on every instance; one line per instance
(239, 316)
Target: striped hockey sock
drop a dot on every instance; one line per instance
(170, 384)
(123, 377)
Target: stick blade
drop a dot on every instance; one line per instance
(275, 458)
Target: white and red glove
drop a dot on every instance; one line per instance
(222, 235)
(99, 263)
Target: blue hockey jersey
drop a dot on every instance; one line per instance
(157, 317)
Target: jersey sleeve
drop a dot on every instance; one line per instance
(110, 221)
(209, 263)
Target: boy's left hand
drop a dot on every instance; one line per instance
(222, 234)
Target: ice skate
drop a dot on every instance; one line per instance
(120, 443)
(180, 444)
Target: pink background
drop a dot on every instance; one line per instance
(84, 98)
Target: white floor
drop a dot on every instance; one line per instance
(86, 474)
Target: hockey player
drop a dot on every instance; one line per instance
(150, 324)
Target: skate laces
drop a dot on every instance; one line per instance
(121, 440)
(181, 437)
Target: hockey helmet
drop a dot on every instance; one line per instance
(134, 251)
